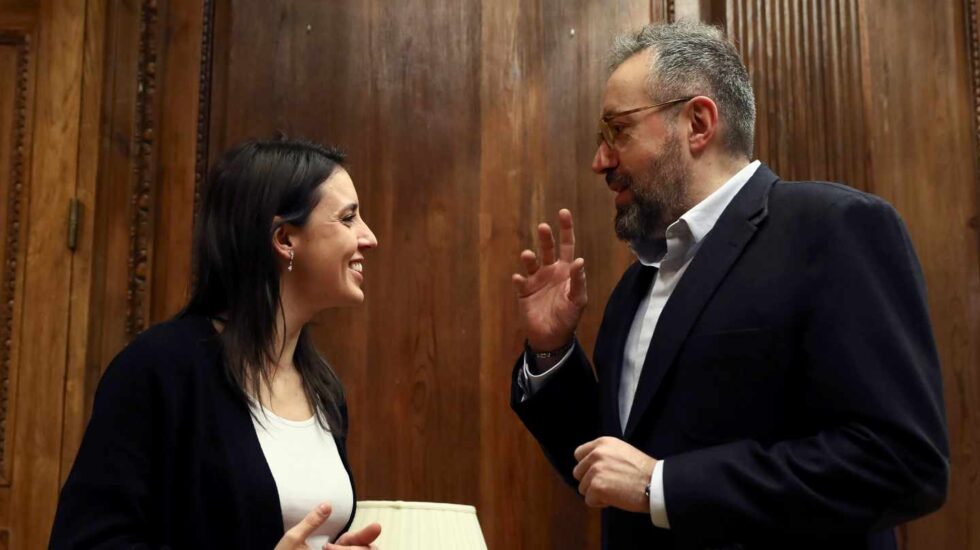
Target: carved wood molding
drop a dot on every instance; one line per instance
(140, 233)
(12, 231)
(203, 104)
(974, 45)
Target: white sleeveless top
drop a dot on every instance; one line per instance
(306, 466)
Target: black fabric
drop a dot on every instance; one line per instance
(170, 458)
(792, 383)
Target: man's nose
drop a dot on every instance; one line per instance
(605, 158)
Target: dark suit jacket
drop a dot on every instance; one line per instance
(792, 383)
(170, 458)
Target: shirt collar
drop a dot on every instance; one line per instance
(684, 236)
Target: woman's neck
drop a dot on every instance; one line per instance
(288, 329)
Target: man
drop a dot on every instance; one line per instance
(765, 374)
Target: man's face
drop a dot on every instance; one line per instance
(647, 166)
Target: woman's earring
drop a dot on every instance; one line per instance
(290, 267)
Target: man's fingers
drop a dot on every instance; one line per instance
(577, 293)
(364, 537)
(593, 500)
(566, 236)
(591, 489)
(584, 464)
(546, 243)
(530, 262)
(302, 530)
(519, 281)
(584, 449)
(586, 482)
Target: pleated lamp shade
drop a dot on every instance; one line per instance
(421, 525)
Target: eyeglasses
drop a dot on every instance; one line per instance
(609, 134)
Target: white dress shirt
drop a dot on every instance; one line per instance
(671, 258)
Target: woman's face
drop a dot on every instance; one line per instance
(328, 267)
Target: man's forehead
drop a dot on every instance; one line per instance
(627, 85)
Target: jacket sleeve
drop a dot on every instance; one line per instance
(871, 385)
(107, 501)
(562, 414)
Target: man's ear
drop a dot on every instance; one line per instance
(703, 117)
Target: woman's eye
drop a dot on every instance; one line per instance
(348, 219)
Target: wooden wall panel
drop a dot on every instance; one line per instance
(19, 7)
(86, 316)
(877, 94)
(44, 328)
(466, 124)
(923, 138)
(178, 65)
(804, 59)
(542, 76)
(138, 181)
(397, 90)
(452, 116)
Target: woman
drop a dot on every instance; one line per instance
(223, 427)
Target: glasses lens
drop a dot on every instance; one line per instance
(605, 134)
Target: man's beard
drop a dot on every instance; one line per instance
(660, 195)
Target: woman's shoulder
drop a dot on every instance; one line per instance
(169, 348)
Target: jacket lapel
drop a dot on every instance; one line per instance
(610, 344)
(718, 252)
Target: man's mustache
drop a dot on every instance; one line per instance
(618, 180)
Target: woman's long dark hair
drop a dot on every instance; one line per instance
(237, 273)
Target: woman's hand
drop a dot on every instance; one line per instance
(295, 538)
(358, 540)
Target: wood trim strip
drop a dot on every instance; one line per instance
(12, 242)
(203, 105)
(140, 237)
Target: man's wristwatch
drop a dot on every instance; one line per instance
(560, 352)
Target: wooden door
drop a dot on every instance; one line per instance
(41, 73)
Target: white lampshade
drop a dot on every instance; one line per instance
(421, 525)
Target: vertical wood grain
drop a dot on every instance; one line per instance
(37, 455)
(178, 62)
(874, 94)
(803, 59)
(85, 320)
(466, 123)
(397, 86)
(924, 137)
(542, 75)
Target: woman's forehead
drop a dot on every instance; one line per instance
(338, 190)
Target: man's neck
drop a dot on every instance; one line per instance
(710, 173)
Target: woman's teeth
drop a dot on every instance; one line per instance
(357, 266)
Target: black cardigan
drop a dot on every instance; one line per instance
(170, 458)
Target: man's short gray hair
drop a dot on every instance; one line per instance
(691, 58)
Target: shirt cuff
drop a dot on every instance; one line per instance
(658, 506)
(532, 383)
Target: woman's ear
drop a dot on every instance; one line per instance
(282, 239)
